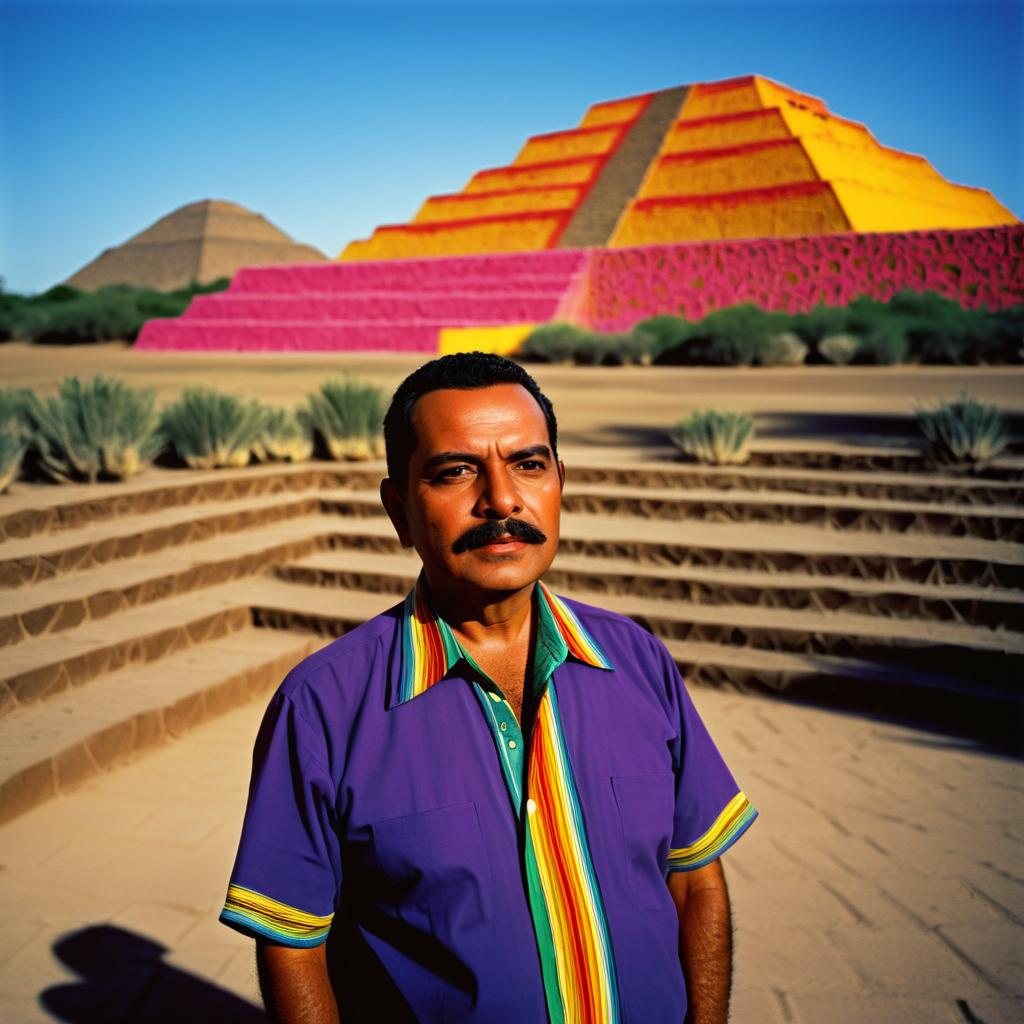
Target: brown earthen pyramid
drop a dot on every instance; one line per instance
(199, 242)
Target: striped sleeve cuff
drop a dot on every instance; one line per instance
(728, 827)
(254, 913)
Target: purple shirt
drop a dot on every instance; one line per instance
(386, 803)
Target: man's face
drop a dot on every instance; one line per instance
(484, 488)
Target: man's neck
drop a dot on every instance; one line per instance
(486, 619)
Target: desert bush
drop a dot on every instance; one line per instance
(637, 347)
(963, 434)
(718, 438)
(839, 349)
(736, 336)
(667, 330)
(284, 438)
(822, 322)
(93, 428)
(209, 429)
(347, 415)
(558, 343)
(885, 343)
(14, 434)
(783, 349)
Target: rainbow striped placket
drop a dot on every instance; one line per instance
(565, 901)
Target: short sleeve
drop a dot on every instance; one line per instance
(287, 874)
(711, 811)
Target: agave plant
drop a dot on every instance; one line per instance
(210, 429)
(964, 433)
(284, 438)
(719, 438)
(99, 426)
(13, 434)
(347, 414)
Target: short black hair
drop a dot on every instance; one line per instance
(465, 371)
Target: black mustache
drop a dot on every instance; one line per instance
(495, 530)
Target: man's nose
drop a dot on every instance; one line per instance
(499, 498)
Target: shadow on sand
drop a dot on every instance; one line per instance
(125, 980)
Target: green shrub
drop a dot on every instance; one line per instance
(284, 438)
(718, 438)
(557, 343)
(637, 347)
(783, 349)
(66, 315)
(667, 330)
(14, 434)
(885, 343)
(964, 433)
(839, 349)
(209, 429)
(736, 336)
(93, 428)
(822, 322)
(347, 414)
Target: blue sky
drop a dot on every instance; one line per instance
(332, 117)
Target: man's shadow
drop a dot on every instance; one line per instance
(124, 980)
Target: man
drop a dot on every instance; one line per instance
(487, 786)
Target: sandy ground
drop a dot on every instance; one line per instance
(610, 405)
(881, 882)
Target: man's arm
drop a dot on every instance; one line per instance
(295, 984)
(705, 941)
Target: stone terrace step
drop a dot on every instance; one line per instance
(38, 510)
(773, 548)
(38, 669)
(945, 487)
(67, 601)
(47, 556)
(834, 645)
(51, 748)
(993, 522)
(989, 607)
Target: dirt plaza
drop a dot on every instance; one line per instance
(881, 881)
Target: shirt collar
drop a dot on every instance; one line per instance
(430, 649)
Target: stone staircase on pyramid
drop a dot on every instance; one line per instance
(722, 166)
(131, 612)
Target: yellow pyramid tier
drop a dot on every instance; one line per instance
(577, 142)
(473, 205)
(511, 233)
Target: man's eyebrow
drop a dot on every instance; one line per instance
(534, 451)
(442, 458)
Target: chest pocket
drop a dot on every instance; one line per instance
(646, 805)
(434, 872)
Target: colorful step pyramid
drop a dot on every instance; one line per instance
(682, 201)
(742, 158)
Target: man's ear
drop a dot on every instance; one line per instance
(394, 505)
(561, 474)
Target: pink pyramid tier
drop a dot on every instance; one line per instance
(390, 305)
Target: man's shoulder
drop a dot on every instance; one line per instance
(350, 660)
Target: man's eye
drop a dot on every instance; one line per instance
(453, 472)
(533, 464)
